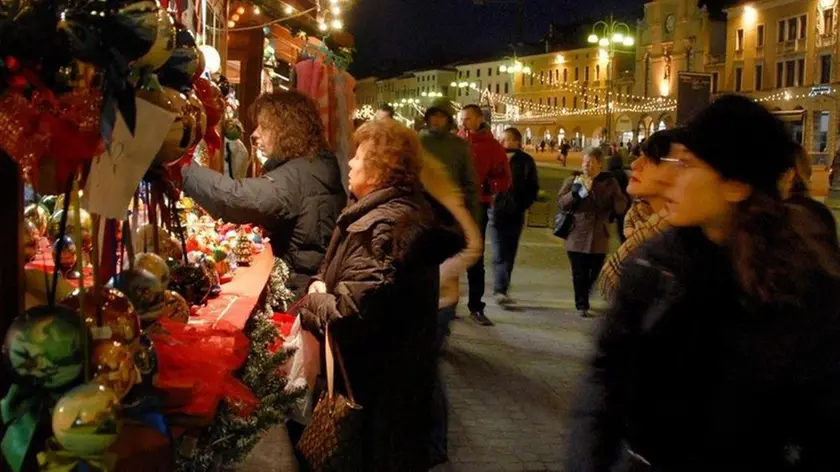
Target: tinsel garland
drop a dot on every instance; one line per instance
(230, 438)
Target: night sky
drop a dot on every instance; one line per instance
(398, 35)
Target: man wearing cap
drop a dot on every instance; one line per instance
(453, 152)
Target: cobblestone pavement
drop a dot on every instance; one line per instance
(510, 386)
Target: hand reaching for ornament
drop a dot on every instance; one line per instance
(317, 287)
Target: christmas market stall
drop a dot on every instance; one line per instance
(139, 333)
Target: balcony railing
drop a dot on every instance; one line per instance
(739, 54)
(715, 59)
(826, 40)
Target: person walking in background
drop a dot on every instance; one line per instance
(508, 214)
(493, 176)
(721, 349)
(795, 189)
(456, 181)
(384, 112)
(564, 152)
(615, 165)
(591, 196)
(646, 217)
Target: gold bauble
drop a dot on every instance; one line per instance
(164, 43)
(182, 131)
(199, 116)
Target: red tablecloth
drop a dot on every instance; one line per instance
(234, 305)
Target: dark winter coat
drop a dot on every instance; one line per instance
(590, 233)
(693, 377)
(454, 153)
(382, 278)
(510, 206)
(297, 201)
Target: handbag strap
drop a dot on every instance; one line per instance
(329, 345)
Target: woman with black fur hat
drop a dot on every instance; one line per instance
(721, 351)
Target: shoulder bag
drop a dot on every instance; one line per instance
(332, 441)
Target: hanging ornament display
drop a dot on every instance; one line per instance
(49, 203)
(86, 420)
(44, 347)
(142, 288)
(154, 264)
(191, 281)
(198, 116)
(181, 132)
(164, 43)
(113, 364)
(244, 250)
(145, 359)
(38, 215)
(119, 320)
(179, 71)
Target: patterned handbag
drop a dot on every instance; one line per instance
(332, 439)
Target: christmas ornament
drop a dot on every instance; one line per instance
(67, 256)
(191, 281)
(142, 288)
(31, 238)
(164, 43)
(207, 263)
(45, 346)
(182, 131)
(114, 367)
(38, 215)
(86, 420)
(154, 264)
(243, 250)
(119, 320)
(48, 202)
(169, 246)
(87, 226)
(59, 202)
(178, 72)
(145, 359)
(198, 116)
(175, 308)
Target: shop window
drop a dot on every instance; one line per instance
(821, 128)
(792, 24)
(780, 74)
(825, 69)
(790, 73)
(739, 77)
(800, 72)
(759, 76)
(759, 36)
(739, 40)
(828, 21)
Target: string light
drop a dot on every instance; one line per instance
(240, 10)
(256, 10)
(289, 10)
(337, 24)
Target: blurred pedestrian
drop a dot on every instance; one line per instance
(591, 196)
(384, 112)
(795, 187)
(377, 293)
(493, 176)
(721, 349)
(646, 217)
(615, 165)
(508, 214)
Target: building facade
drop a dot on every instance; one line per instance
(675, 36)
(784, 54)
(367, 92)
(477, 80)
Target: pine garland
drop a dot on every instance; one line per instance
(230, 438)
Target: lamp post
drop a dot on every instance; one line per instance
(613, 34)
(469, 85)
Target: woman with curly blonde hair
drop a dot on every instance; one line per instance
(377, 294)
(298, 197)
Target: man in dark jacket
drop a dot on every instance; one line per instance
(298, 198)
(493, 171)
(508, 213)
(615, 165)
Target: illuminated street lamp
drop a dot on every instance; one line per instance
(610, 35)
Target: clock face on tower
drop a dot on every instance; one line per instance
(670, 22)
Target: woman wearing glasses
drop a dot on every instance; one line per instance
(721, 351)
